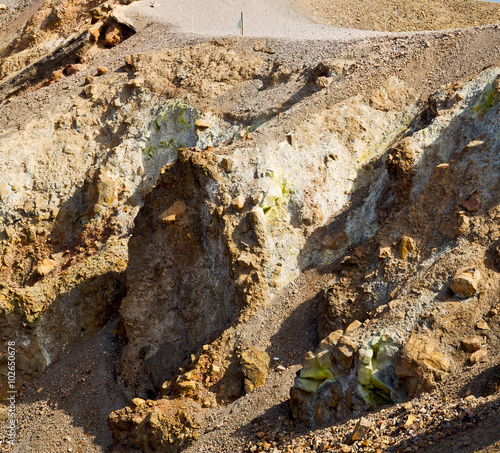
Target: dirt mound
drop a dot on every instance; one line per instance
(405, 15)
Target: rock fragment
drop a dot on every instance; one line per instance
(465, 283)
(46, 267)
(471, 344)
(360, 431)
(174, 212)
(254, 364)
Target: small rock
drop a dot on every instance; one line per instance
(471, 344)
(227, 164)
(174, 212)
(74, 68)
(280, 368)
(478, 356)
(407, 247)
(254, 364)
(352, 327)
(472, 203)
(411, 419)
(323, 82)
(292, 138)
(384, 253)
(137, 82)
(9, 231)
(360, 431)
(46, 267)
(238, 202)
(331, 340)
(113, 35)
(202, 124)
(101, 70)
(465, 283)
(481, 325)
(3, 7)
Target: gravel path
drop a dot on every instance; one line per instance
(277, 19)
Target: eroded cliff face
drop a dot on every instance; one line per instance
(406, 300)
(419, 276)
(187, 188)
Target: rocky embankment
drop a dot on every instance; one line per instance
(293, 234)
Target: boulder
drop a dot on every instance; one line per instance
(421, 365)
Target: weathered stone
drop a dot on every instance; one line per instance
(407, 247)
(101, 70)
(273, 194)
(112, 35)
(400, 163)
(360, 430)
(384, 253)
(238, 202)
(481, 325)
(471, 344)
(74, 68)
(340, 240)
(137, 402)
(331, 340)
(422, 363)
(202, 124)
(472, 203)
(457, 225)
(353, 326)
(465, 283)
(344, 351)
(3, 7)
(227, 164)
(478, 356)
(174, 212)
(254, 364)
(323, 82)
(46, 267)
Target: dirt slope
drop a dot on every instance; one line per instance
(405, 15)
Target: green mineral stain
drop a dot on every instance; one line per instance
(485, 103)
(376, 370)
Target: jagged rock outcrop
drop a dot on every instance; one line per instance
(417, 288)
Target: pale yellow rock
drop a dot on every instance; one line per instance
(478, 356)
(10, 231)
(138, 402)
(481, 325)
(4, 190)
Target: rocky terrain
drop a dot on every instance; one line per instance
(248, 244)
